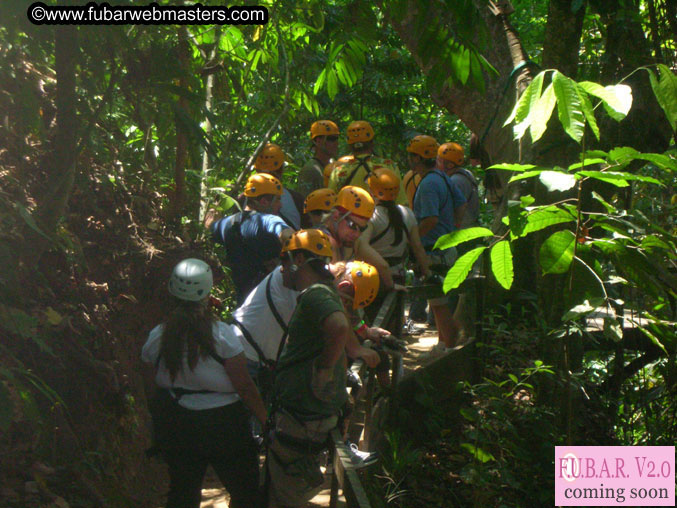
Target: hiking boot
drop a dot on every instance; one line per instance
(358, 457)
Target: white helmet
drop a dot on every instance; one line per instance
(191, 280)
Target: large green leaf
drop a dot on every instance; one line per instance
(589, 113)
(604, 176)
(542, 112)
(665, 90)
(501, 263)
(457, 273)
(525, 175)
(477, 452)
(557, 252)
(524, 103)
(557, 180)
(527, 112)
(569, 108)
(617, 99)
(513, 167)
(462, 235)
(541, 219)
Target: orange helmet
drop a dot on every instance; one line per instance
(425, 146)
(320, 199)
(451, 152)
(270, 158)
(356, 200)
(260, 184)
(384, 184)
(323, 128)
(365, 281)
(312, 240)
(359, 132)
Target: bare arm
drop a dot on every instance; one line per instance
(236, 368)
(365, 252)
(356, 350)
(427, 224)
(419, 251)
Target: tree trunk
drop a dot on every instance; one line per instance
(177, 198)
(61, 161)
(563, 36)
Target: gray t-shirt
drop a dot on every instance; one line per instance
(467, 183)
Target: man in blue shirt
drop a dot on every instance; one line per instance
(439, 207)
(253, 238)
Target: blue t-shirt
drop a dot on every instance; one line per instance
(248, 246)
(432, 199)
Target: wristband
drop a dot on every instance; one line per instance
(360, 327)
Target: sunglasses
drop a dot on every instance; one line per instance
(354, 225)
(332, 138)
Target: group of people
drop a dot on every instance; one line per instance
(304, 264)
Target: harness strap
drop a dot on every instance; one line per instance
(278, 318)
(362, 163)
(250, 340)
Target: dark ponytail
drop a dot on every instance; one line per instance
(187, 330)
(396, 221)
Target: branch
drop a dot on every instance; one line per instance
(285, 107)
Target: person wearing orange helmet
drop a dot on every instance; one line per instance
(438, 206)
(253, 237)
(271, 160)
(324, 136)
(309, 390)
(450, 158)
(317, 204)
(355, 171)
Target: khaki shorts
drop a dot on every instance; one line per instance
(447, 258)
(295, 475)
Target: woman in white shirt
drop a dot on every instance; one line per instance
(199, 413)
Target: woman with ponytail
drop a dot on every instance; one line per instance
(392, 230)
(202, 393)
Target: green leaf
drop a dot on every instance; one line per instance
(478, 453)
(665, 90)
(569, 108)
(28, 218)
(526, 114)
(609, 207)
(604, 176)
(513, 378)
(457, 273)
(557, 181)
(469, 414)
(332, 84)
(523, 105)
(527, 200)
(525, 175)
(586, 163)
(542, 112)
(543, 218)
(513, 167)
(502, 264)
(459, 236)
(581, 310)
(589, 113)
(617, 99)
(653, 339)
(557, 252)
(320, 81)
(660, 160)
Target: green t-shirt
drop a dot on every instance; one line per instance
(310, 177)
(341, 173)
(304, 345)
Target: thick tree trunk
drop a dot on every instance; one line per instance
(563, 36)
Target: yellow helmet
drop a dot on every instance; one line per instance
(320, 199)
(312, 240)
(356, 200)
(384, 184)
(425, 146)
(365, 281)
(451, 152)
(359, 132)
(323, 128)
(333, 165)
(260, 184)
(270, 158)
